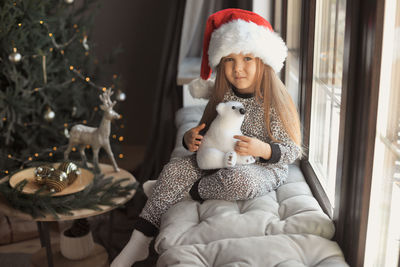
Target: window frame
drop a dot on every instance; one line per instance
(306, 81)
(360, 88)
(361, 74)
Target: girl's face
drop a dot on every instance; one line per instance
(240, 70)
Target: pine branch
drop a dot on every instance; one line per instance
(102, 191)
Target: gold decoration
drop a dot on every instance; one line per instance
(71, 170)
(15, 57)
(44, 69)
(42, 173)
(57, 179)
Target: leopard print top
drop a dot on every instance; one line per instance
(254, 126)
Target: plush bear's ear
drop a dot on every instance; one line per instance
(220, 108)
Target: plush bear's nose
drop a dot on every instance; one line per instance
(242, 111)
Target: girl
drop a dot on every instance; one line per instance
(246, 54)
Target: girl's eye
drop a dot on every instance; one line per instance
(248, 58)
(227, 59)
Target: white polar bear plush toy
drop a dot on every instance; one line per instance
(217, 147)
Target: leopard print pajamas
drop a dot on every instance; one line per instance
(237, 183)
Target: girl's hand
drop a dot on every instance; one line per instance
(192, 137)
(250, 146)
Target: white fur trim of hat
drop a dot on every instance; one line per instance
(246, 37)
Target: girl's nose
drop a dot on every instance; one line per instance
(238, 66)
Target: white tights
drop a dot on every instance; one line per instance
(137, 249)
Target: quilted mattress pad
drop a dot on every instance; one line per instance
(291, 209)
(286, 227)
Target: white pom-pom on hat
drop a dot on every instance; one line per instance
(200, 88)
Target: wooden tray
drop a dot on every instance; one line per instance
(83, 180)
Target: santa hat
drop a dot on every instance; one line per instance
(237, 31)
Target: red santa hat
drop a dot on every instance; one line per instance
(237, 31)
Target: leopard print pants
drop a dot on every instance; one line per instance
(237, 183)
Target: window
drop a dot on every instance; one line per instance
(326, 91)
(339, 74)
(278, 17)
(383, 234)
(292, 65)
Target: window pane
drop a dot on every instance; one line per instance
(383, 233)
(327, 87)
(293, 43)
(278, 17)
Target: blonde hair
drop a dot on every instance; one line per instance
(270, 91)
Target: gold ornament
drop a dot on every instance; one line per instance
(71, 170)
(15, 57)
(41, 174)
(49, 114)
(57, 181)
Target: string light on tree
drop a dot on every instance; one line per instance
(69, 1)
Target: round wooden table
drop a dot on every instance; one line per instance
(43, 222)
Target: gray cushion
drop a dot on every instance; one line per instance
(291, 209)
(276, 250)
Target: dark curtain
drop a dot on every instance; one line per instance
(168, 95)
(242, 4)
(167, 98)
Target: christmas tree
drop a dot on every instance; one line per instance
(47, 78)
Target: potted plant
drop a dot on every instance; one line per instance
(76, 243)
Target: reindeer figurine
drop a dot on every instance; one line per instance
(82, 135)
